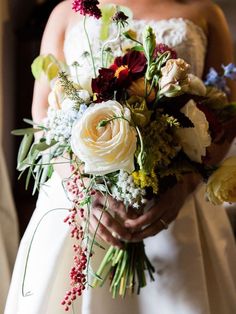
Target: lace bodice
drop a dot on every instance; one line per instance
(187, 38)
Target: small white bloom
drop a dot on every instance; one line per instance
(67, 104)
(84, 94)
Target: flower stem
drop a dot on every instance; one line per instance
(90, 47)
(109, 42)
(26, 294)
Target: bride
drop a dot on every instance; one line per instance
(195, 257)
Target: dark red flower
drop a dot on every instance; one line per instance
(161, 48)
(129, 67)
(87, 7)
(121, 18)
(120, 75)
(104, 85)
(215, 126)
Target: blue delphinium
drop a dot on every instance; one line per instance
(230, 71)
(219, 81)
(214, 79)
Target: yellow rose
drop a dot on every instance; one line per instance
(105, 147)
(221, 186)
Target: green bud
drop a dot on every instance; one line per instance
(149, 42)
(151, 71)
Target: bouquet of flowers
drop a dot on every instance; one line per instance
(132, 129)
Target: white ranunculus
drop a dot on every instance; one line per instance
(108, 148)
(194, 140)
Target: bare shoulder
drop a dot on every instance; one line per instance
(212, 13)
(62, 13)
(206, 14)
(54, 33)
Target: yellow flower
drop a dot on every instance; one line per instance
(131, 34)
(144, 180)
(221, 186)
(138, 88)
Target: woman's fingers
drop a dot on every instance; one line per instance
(149, 231)
(104, 234)
(154, 227)
(110, 223)
(147, 218)
(111, 204)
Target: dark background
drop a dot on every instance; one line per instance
(22, 36)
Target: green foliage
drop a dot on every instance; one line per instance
(48, 65)
(36, 158)
(21, 132)
(107, 12)
(37, 67)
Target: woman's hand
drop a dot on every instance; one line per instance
(163, 212)
(107, 217)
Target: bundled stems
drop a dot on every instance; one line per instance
(125, 266)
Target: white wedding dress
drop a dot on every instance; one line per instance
(194, 259)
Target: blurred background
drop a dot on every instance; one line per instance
(22, 24)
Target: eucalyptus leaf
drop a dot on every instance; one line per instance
(38, 171)
(29, 121)
(42, 146)
(30, 160)
(29, 174)
(24, 147)
(21, 132)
